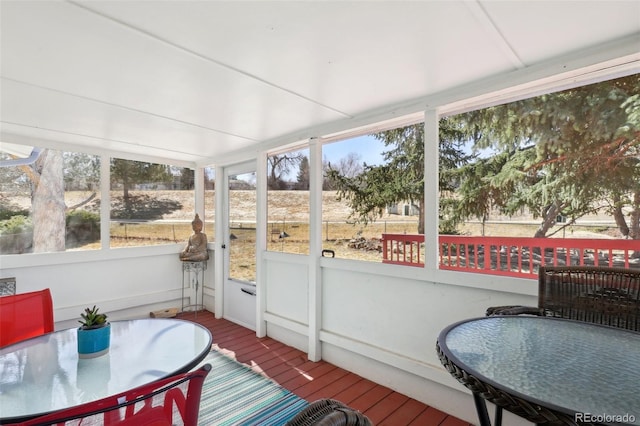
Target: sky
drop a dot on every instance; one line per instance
(369, 148)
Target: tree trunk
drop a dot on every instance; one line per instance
(634, 216)
(48, 207)
(421, 217)
(621, 223)
(125, 184)
(548, 220)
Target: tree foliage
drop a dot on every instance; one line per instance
(187, 178)
(81, 171)
(129, 173)
(401, 177)
(13, 180)
(568, 153)
(303, 178)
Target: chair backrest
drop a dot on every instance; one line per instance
(609, 296)
(25, 315)
(329, 412)
(171, 401)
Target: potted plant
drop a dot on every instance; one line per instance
(94, 335)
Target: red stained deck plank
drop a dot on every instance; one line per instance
(382, 409)
(320, 383)
(331, 390)
(370, 399)
(404, 414)
(291, 368)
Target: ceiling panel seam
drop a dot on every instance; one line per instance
(111, 104)
(208, 59)
(481, 14)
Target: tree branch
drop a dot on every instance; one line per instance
(82, 203)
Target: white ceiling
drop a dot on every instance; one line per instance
(197, 81)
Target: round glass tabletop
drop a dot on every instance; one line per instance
(44, 373)
(571, 366)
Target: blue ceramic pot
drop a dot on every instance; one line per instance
(95, 342)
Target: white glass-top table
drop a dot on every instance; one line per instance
(546, 369)
(44, 374)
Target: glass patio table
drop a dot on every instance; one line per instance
(547, 370)
(44, 374)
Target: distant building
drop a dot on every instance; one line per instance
(403, 209)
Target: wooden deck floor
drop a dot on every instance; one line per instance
(315, 380)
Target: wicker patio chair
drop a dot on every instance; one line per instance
(329, 412)
(600, 295)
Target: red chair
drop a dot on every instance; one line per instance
(25, 315)
(165, 402)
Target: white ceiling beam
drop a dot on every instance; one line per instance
(606, 61)
(29, 141)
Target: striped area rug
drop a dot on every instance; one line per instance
(233, 394)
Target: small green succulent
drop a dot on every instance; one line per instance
(92, 319)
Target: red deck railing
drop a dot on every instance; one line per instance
(517, 257)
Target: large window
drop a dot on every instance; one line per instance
(49, 200)
(562, 168)
(288, 202)
(242, 226)
(369, 190)
(151, 203)
(563, 165)
(209, 203)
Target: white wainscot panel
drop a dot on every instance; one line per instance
(287, 290)
(395, 315)
(121, 286)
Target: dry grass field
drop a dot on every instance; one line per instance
(287, 211)
(160, 217)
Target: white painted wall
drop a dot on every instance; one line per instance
(287, 292)
(123, 283)
(382, 321)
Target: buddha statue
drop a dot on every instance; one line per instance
(196, 249)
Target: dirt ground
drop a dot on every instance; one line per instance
(292, 205)
(288, 208)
